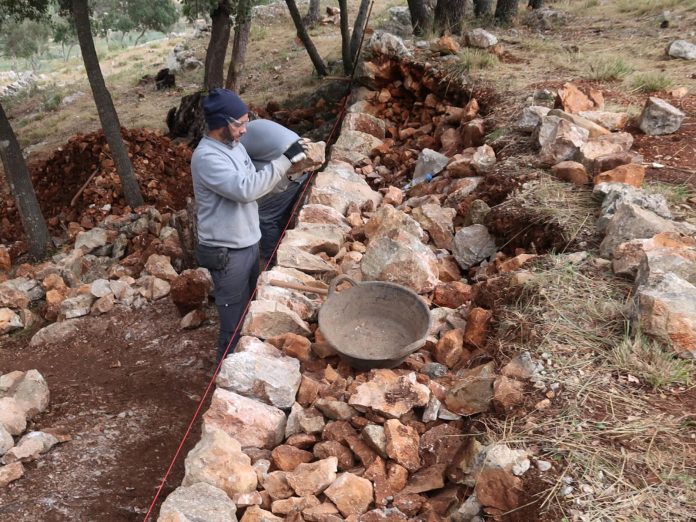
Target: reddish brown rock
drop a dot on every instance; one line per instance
(331, 448)
(440, 444)
(287, 458)
(308, 391)
(473, 391)
(499, 489)
(507, 394)
(448, 269)
(254, 514)
(5, 261)
(293, 345)
(409, 505)
(351, 494)
(402, 444)
(450, 348)
(313, 478)
(10, 473)
(573, 100)
(477, 327)
(426, 479)
(452, 295)
(294, 504)
(325, 512)
(276, 484)
(190, 290)
(473, 133)
(611, 161)
(304, 441)
(571, 171)
(365, 453)
(631, 174)
(393, 196)
(339, 431)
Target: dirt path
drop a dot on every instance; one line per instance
(125, 389)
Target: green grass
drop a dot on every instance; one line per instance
(675, 194)
(644, 7)
(650, 363)
(649, 82)
(609, 68)
(475, 59)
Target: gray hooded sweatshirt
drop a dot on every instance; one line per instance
(226, 186)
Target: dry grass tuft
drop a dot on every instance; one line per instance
(608, 68)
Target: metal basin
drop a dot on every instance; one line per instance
(373, 324)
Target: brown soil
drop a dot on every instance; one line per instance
(125, 388)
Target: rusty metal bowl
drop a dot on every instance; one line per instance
(373, 324)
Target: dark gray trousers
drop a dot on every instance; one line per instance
(274, 213)
(234, 285)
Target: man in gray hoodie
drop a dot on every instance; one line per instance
(226, 186)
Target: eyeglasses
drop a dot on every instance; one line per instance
(236, 123)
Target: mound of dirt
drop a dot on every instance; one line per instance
(161, 166)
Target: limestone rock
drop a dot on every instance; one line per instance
(31, 393)
(659, 117)
(30, 446)
(55, 333)
(338, 185)
(613, 121)
(153, 288)
(287, 458)
(11, 297)
(276, 484)
(483, 159)
(438, 222)
(315, 238)
(199, 501)
(331, 448)
(472, 245)
(573, 100)
(12, 416)
(499, 489)
(387, 44)
(351, 494)
(390, 394)
(632, 222)
(402, 444)
(374, 436)
(273, 380)
(290, 256)
(522, 366)
(429, 161)
(192, 320)
(473, 391)
(465, 187)
(322, 214)
(9, 321)
(313, 478)
(402, 258)
(564, 141)
(91, 240)
(354, 146)
(256, 514)
(388, 220)
(616, 194)
(530, 118)
(252, 423)
(598, 154)
(682, 49)
(335, 410)
(480, 38)
(294, 505)
(10, 473)
(507, 394)
(315, 158)
(666, 310)
(267, 319)
(6, 440)
(5, 261)
(364, 122)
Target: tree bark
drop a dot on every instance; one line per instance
(449, 16)
(242, 28)
(535, 4)
(358, 28)
(22, 190)
(505, 11)
(306, 40)
(312, 17)
(345, 38)
(214, 74)
(105, 105)
(482, 8)
(420, 19)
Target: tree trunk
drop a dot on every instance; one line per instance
(505, 11)
(312, 17)
(22, 190)
(482, 8)
(535, 4)
(449, 16)
(345, 38)
(105, 105)
(306, 40)
(214, 74)
(242, 28)
(358, 28)
(420, 19)
(142, 33)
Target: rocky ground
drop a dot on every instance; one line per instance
(535, 246)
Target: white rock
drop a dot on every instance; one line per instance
(472, 245)
(199, 502)
(9, 321)
(659, 117)
(91, 240)
(682, 49)
(480, 38)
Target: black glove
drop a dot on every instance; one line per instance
(296, 152)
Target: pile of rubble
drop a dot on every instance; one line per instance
(79, 183)
(295, 433)
(23, 395)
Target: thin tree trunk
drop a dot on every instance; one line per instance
(535, 4)
(505, 11)
(142, 33)
(358, 28)
(242, 28)
(345, 38)
(449, 16)
(22, 190)
(306, 40)
(312, 17)
(482, 8)
(214, 75)
(105, 105)
(420, 19)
